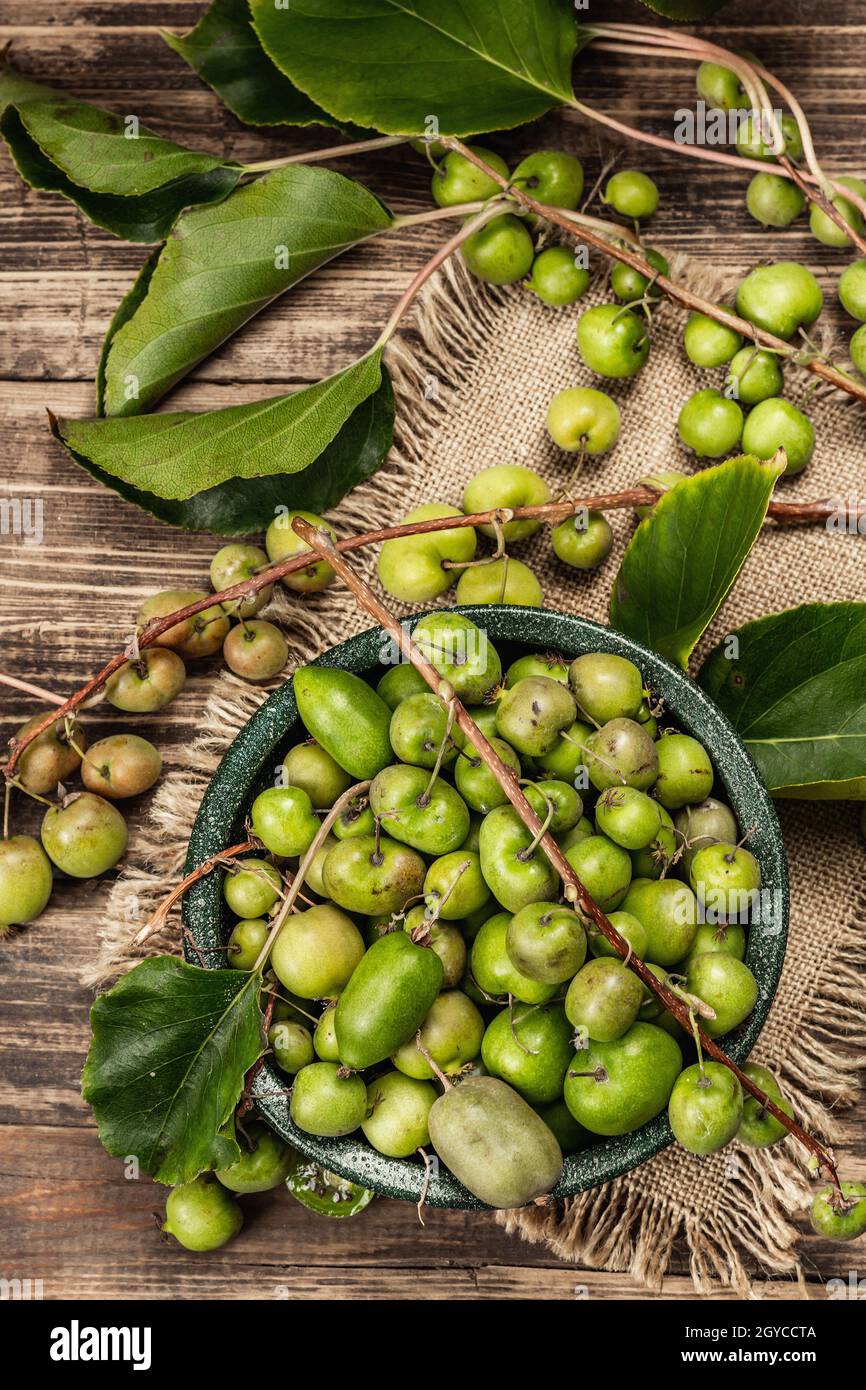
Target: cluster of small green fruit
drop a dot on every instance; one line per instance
(614, 339)
(205, 1213)
(440, 951)
(84, 834)
(421, 567)
(783, 299)
(503, 251)
(773, 200)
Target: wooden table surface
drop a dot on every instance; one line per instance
(67, 1214)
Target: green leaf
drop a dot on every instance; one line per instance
(95, 148)
(391, 64)
(171, 1046)
(225, 53)
(134, 187)
(684, 557)
(242, 505)
(179, 455)
(123, 313)
(796, 694)
(222, 265)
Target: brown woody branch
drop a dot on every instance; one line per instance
(678, 294)
(223, 859)
(784, 513)
(574, 892)
(817, 196)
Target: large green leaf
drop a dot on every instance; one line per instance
(242, 505)
(224, 51)
(171, 1046)
(794, 687)
(123, 313)
(392, 64)
(179, 455)
(123, 177)
(684, 557)
(220, 266)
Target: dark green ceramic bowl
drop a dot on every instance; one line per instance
(249, 765)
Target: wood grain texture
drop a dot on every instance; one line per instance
(67, 1214)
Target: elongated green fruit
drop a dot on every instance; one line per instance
(386, 1000)
(346, 716)
(494, 1142)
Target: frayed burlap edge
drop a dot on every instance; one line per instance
(631, 1224)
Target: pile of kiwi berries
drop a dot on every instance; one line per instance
(84, 833)
(438, 993)
(747, 412)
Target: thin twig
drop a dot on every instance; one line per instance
(637, 41)
(381, 142)
(158, 919)
(490, 210)
(829, 209)
(574, 891)
(783, 513)
(27, 688)
(679, 294)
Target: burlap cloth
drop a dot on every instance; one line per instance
(474, 376)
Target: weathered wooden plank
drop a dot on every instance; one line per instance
(54, 1187)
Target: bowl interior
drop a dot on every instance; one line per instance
(249, 766)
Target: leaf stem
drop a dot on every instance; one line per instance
(575, 893)
(783, 513)
(382, 142)
(420, 219)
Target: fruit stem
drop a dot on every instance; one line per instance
(424, 798)
(320, 541)
(503, 514)
(277, 997)
(440, 902)
(381, 142)
(34, 796)
(85, 757)
(783, 513)
(425, 1185)
(528, 1051)
(679, 294)
(432, 1064)
(288, 903)
(543, 826)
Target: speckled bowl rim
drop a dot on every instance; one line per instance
(247, 766)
